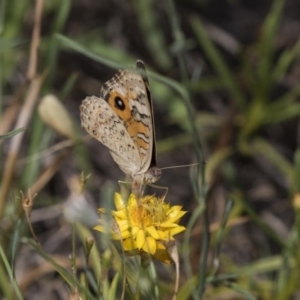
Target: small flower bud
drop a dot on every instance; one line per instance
(27, 203)
(89, 242)
(54, 114)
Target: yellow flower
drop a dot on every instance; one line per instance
(145, 226)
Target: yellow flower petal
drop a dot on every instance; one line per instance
(140, 239)
(153, 232)
(119, 214)
(101, 228)
(174, 217)
(163, 256)
(176, 208)
(125, 234)
(177, 230)
(129, 244)
(119, 202)
(149, 245)
(168, 224)
(144, 226)
(162, 235)
(134, 230)
(160, 246)
(123, 224)
(132, 201)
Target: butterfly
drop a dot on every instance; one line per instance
(122, 120)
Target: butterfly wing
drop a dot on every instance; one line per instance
(102, 123)
(128, 95)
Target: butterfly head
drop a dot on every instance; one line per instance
(152, 175)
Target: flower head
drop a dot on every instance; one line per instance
(145, 226)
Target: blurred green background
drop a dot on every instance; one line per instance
(224, 77)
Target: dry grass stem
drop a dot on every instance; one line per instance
(35, 41)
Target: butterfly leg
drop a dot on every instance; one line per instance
(161, 188)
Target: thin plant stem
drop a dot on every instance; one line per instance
(220, 237)
(73, 258)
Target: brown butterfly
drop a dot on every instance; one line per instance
(122, 119)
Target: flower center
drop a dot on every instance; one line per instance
(148, 212)
(140, 217)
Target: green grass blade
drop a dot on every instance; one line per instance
(68, 86)
(266, 150)
(12, 133)
(10, 273)
(153, 35)
(86, 52)
(260, 266)
(280, 115)
(69, 278)
(113, 287)
(266, 46)
(61, 14)
(285, 100)
(95, 257)
(283, 279)
(256, 218)
(284, 62)
(186, 288)
(221, 234)
(235, 287)
(16, 241)
(186, 248)
(110, 63)
(220, 66)
(38, 141)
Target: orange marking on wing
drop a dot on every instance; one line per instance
(123, 114)
(133, 127)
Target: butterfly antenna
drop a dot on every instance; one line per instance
(181, 166)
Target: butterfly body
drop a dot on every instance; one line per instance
(122, 119)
